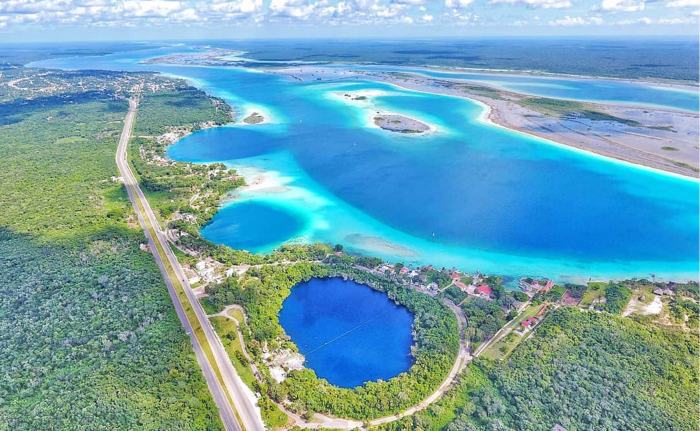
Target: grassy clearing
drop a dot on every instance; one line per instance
(505, 346)
(228, 332)
(594, 292)
(569, 109)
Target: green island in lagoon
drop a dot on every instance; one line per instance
(405, 234)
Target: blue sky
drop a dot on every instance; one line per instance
(53, 20)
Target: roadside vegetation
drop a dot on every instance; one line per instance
(88, 333)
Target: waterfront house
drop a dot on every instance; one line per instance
(484, 290)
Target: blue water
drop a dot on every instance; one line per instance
(252, 226)
(582, 89)
(349, 333)
(470, 195)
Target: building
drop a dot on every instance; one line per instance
(529, 322)
(483, 289)
(548, 286)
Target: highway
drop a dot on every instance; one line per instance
(249, 418)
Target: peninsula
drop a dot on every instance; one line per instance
(654, 136)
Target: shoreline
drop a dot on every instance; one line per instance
(214, 56)
(489, 112)
(377, 117)
(478, 259)
(680, 85)
(648, 145)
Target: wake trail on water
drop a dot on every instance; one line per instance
(346, 333)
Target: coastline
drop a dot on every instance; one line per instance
(649, 145)
(660, 82)
(500, 114)
(464, 258)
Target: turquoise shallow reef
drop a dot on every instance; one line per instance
(468, 194)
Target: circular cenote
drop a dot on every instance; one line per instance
(349, 333)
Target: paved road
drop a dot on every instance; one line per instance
(463, 358)
(241, 396)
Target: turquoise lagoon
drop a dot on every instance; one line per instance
(469, 195)
(571, 88)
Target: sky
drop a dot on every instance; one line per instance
(83, 20)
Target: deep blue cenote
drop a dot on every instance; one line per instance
(349, 333)
(470, 195)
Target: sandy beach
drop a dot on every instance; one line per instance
(659, 138)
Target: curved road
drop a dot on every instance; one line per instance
(244, 401)
(233, 386)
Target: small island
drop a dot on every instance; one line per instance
(254, 118)
(400, 124)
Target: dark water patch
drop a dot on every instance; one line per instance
(349, 333)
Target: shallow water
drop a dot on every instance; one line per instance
(471, 195)
(348, 332)
(581, 89)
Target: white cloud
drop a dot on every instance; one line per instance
(622, 5)
(643, 21)
(40, 14)
(300, 9)
(241, 7)
(545, 4)
(569, 21)
(457, 4)
(150, 8)
(683, 3)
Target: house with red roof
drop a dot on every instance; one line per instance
(529, 322)
(548, 286)
(484, 289)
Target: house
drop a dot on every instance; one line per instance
(558, 427)
(484, 289)
(548, 286)
(384, 268)
(529, 322)
(455, 275)
(528, 284)
(200, 265)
